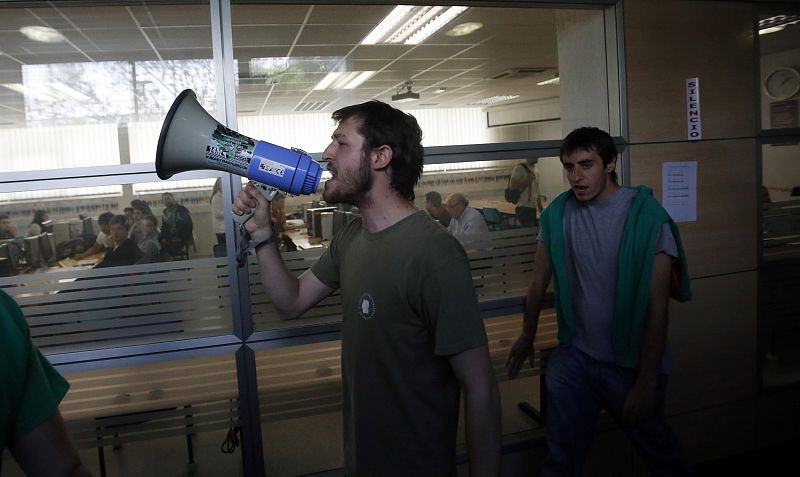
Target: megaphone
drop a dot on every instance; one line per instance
(192, 140)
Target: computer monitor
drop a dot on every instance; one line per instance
(12, 251)
(313, 221)
(6, 270)
(47, 249)
(88, 226)
(47, 226)
(33, 256)
(61, 232)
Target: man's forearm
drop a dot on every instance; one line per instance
(280, 285)
(533, 306)
(95, 248)
(655, 332)
(482, 421)
(474, 371)
(653, 344)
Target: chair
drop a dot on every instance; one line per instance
(493, 218)
(219, 250)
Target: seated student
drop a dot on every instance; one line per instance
(7, 228)
(434, 208)
(141, 205)
(31, 426)
(135, 231)
(35, 227)
(128, 211)
(103, 240)
(149, 243)
(125, 251)
(464, 219)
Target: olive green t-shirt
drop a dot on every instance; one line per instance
(408, 303)
(30, 389)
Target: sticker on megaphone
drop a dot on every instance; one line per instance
(271, 168)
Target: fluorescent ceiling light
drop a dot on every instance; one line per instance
(386, 25)
(494, 99)
(440, 90)
(411, 25)
(764, 31)
(342, 80)
(551, 81)
(27, 91)
(328, 80)
(776, 23)
(68, 91)
(49, 92)
(464, 29)
(43, 34)
(359, 78)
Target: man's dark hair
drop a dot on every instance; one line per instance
(38, 216)
(385, 125)
(5, 216)
(105, 218)
(142, 206)
(590, 139)
(120, 220)
(434, 198)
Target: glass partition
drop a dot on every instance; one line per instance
(779, 266)
(779, 44)
(84, 86)
(87, 275)
(779, 273)
(474, 75)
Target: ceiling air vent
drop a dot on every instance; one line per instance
(513, 73)
(311, 106)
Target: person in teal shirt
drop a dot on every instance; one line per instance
(615, 257)
(31, 426)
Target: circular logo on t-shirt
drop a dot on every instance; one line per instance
(366, 306)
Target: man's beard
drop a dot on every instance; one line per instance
(353, 188)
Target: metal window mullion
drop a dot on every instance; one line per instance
(249, 413)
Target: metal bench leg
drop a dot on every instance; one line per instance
(101, 455)
(191, 466)
(530, 411)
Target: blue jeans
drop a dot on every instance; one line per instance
(578, 388)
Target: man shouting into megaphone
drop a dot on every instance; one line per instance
(412, 334)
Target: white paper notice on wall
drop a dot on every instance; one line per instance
(679, 186)
(694, 125)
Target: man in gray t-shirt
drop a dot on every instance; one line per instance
(413, 341)
(592, 233)
(611, 252)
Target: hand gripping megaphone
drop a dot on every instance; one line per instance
(191, 140)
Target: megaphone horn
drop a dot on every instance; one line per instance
(193, 140)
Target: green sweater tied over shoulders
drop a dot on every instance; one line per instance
(634, 272)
